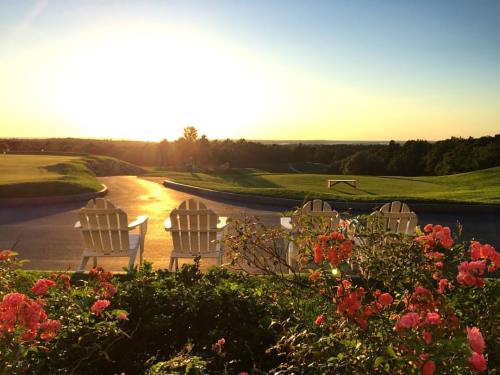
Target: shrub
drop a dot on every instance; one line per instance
(374, 303)
(114, 324)
(414, 305)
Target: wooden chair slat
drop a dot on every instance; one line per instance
(94, 231)
(307, 206)
(194, 239)
(203, 224)
(395, 217)
(194, 231)
(106, 233)
(102, 220)
(123, 230)
(176, 237)
(317, 205)
(326, 206)
(392, 222)
(183, 223)
(212, 237)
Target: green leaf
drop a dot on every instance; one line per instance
(391, 351)
(378, 361)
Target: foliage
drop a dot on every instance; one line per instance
(342, 308)
(435, 315)
(128, 323)
(411, 158)
(180, 364)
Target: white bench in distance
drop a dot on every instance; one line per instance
(332, 183)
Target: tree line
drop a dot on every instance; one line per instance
(411, 158)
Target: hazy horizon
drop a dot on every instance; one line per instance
(264, 141)
(263, 70)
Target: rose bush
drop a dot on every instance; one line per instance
(354, 304)
(389, 303)
(427, 334)
(100, 323)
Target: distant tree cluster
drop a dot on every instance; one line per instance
(411, 158)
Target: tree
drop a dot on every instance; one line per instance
(190, 134)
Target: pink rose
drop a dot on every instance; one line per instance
(427, 336)
(409, 320)
(478, 362)
(41, 286)
(476, 340)
(433, 318)
(319, 320)
(122, 315)
(429, 368)
(385, 299)
(99, 306)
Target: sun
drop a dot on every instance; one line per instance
(148, 84)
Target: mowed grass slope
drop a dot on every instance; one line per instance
(23, 176)
(473, 187)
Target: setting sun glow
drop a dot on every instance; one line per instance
(153, 82)
(145, 71)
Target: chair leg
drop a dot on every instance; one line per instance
(291, 256)
(83, 264)
(171, 265)
(95, 262)
(176, 264)
(141, 257)
(141, 247)
(132, 260)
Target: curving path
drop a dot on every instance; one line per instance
(46, 237)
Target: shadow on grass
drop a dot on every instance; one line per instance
(407, 179)
(249, 180)
(354, 191)
(195, 176)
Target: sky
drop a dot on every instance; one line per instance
(261, 69)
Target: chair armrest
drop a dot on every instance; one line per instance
(139, 221)
(167, 224)
(351, 227)
(286, 223)
(222, 222)
(78, 225)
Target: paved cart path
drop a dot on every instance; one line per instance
(46, 236)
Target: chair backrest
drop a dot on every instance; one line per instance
(320, 209)
(395, 217)
(194, 228)
(104, 227)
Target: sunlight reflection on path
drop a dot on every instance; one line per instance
(49, 241)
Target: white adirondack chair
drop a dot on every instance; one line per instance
(196, 231)
(394, 217)
(106, 233)
(315, 208)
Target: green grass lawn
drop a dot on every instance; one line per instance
(23, 176)
(478, 187)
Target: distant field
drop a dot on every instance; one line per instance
(473, 187)
(23, 176)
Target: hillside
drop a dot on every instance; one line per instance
(24, 175)
(472, 187)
